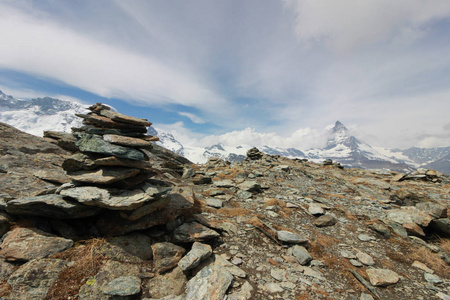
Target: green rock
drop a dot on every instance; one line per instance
(95, 144)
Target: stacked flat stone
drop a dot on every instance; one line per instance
(112, 149)
(112, 176)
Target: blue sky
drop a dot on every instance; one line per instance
(238, 71)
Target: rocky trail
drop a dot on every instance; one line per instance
(104, 213)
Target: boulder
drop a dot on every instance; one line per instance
(33, 279)
(23, 244)
(382, 277)
(166, 256)
(211, 282)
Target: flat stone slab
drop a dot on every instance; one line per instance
(193, 232)
(193, 258)
(115, 116)
(216, 203)
(325, 220)
(290, 237)
(103, 175)
(23, 244)
(123, 286)
(95, 144)
(126, 141)
(166, 256)
(102, 121)
(315, 209)
(382, 277)
(181, 202)
(57, 175)
(211, 282)
(33, 279)
(123, 162)
(50, 206)
(410, 215)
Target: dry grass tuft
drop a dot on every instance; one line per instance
(432, 260)
(86, 259)
(273, 201)
(233, 212)
(445, 244)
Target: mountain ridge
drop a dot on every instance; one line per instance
(37, 115)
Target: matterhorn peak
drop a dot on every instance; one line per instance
(339, 127)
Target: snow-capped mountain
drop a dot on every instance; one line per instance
(37, 115)
(167, 140)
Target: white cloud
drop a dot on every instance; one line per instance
(348, 24)
(303, 138)
(39, 47)
(194, 118)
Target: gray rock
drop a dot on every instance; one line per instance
(244, 293)
(365, 258)
(325, 220)
(168, 285)
(433, 209)
(23, 244)
(278, 274)
(381, 229)
(431, 278)
(347, 254)
(366, 238)
(95, 144)
(315, 209)
(356, 263)
(118, 117)
(93, 288)
(226, 183)
(273, 288)
(216, 203)
(188, 172)
(382, 277)
(365, 296)
(123, 286)
(193, 258)
(166, 256)
(193, 232)
(410, 215)
(250, 186)
(6, 269)
(301, 254)
(50, 206)
(290, 237)
(126, 140)
(210, 283)
(244, 194)
(104, 175)
(220, 261)
(136, 245)
(88, 195)
(78, 161)
(33, 279)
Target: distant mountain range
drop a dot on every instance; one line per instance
(36, 115)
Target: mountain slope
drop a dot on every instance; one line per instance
(37, 115)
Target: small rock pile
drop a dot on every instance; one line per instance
(254, 154)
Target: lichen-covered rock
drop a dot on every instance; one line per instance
(23, 244)
(166, 256)
(211, 283)
(382, 277)
(33, 279)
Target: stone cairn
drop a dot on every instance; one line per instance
(111, 178)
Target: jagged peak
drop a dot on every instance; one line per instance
(338, 126)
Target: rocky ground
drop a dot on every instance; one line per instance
(266, 228)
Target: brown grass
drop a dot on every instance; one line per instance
(87, 261)
(432, 260)
(445, 244)
(233, 212)
(273, 201)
